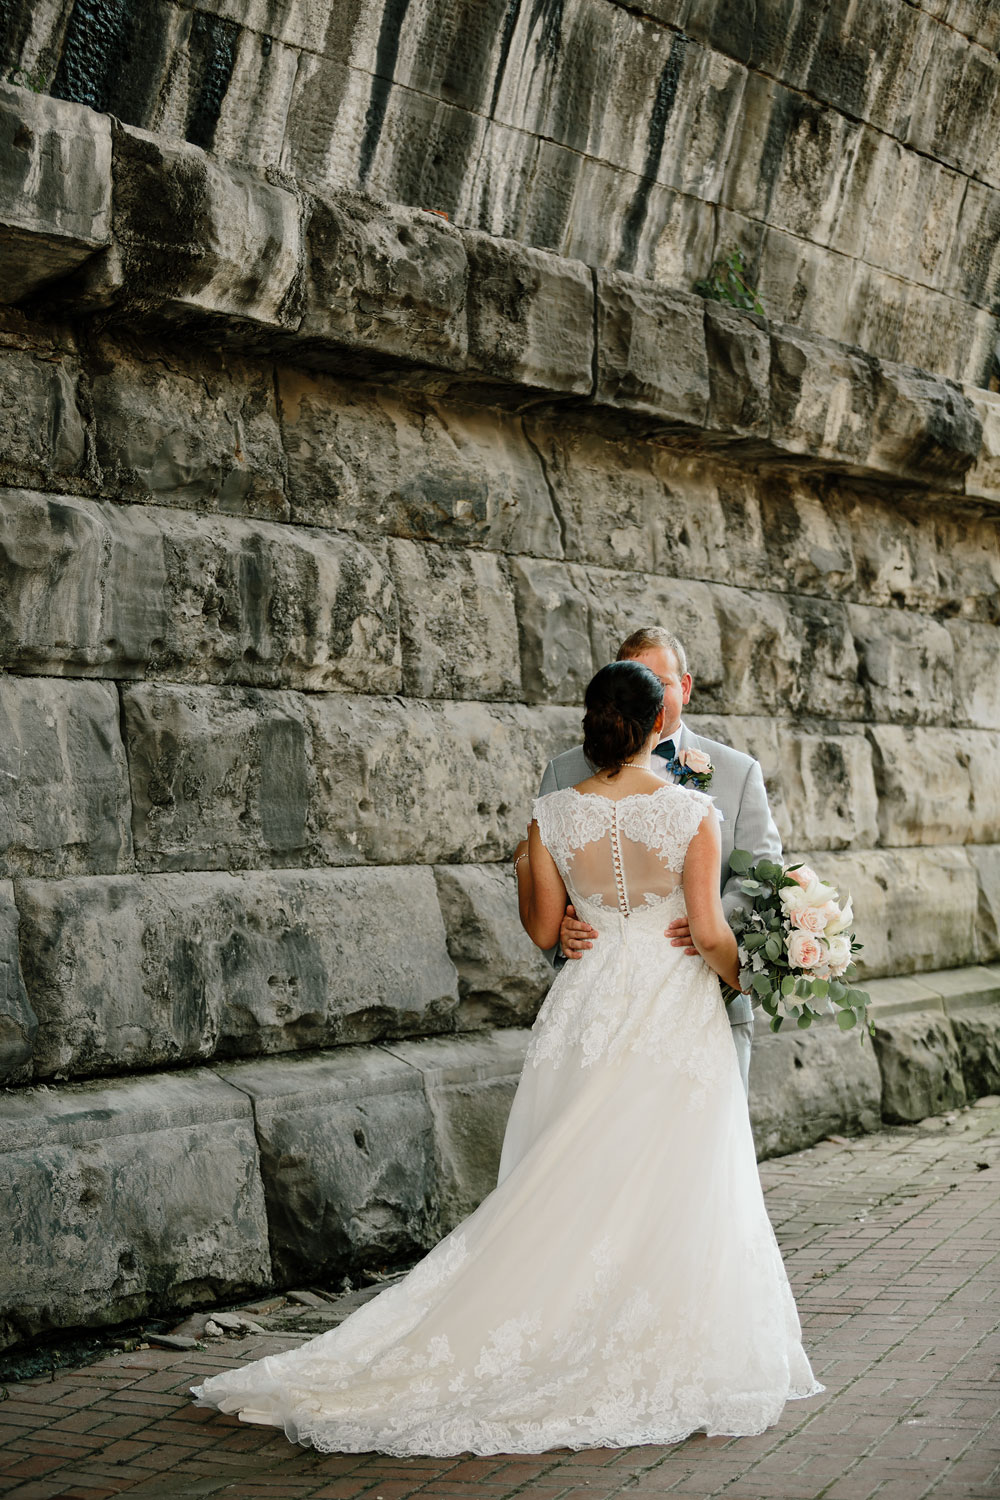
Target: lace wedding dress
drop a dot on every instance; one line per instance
(622, 1284)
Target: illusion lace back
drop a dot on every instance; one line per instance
(622, 1283)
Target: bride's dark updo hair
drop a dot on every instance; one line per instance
(622, 701)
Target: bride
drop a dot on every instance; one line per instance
(622, 1283)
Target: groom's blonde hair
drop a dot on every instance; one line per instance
(652, 638)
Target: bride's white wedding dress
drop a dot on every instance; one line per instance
(622, 1284)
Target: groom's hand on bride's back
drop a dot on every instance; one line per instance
(575, 937)
(679, 933)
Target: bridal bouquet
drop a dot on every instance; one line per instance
(796, 948)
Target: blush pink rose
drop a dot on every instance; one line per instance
(695, 760)
(809, 919)
(804, 950)
(803, 877)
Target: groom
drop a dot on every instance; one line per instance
(736, 786)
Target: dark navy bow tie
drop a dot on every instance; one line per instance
(666, 749)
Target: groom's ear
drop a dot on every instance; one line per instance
(687, 683)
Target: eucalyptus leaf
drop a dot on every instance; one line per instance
(776, 1023)
(740, 861)
(788, 984)
(761, 984)
(806, 1019)
(845, 1019)
(772, 948)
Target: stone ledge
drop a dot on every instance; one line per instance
(55, 184)
(130, 1195)
(344, 283)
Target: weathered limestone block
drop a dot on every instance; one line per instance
(967, 556)
(221, 777)
(985, 861)
(378, 460)
(914, 909)
(972, 998)
(502, 976)
(609, 499)
(822, 397)
(199, 239)
(530, 316)
(18, 1022)
(897, 559)
(347, 1158)
(651, 356)
(199, 433)
(982, 478)
(558, 602)
(907, 664)
(457, 622)
(977, 1032)
(922, 428)
(937, 788)
(469, 1083)
(621, 601)
(553, 619)
(55, 185)
(43, 435)
(428, 782)
(921, 1066)
(387, 284)
(135, 972)
(64, 791)
(786, 656)
(629, 503)
(976, 673)
(807, 1085)
(105, 590)
(131, 1197)
(739, 369)
(828, 790)
(810, 542)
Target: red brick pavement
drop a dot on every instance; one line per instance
(892, 1243)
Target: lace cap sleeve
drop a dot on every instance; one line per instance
(674, 816)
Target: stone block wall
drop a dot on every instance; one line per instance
(849, 152)
(316, 516)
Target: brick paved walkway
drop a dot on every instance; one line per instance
(893, 1246)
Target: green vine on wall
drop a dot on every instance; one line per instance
(22, 79)
(727, 282)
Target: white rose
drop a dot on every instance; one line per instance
(792, 898)
(695, 760)
(804, 950)
(838, 952)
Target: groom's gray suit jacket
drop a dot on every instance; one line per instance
(737, 789)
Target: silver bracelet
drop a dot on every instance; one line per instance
(519, 859)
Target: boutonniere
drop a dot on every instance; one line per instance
(692, 768)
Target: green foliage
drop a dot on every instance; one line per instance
(726, 282)
(22, 79)
(783, 992)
